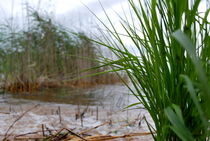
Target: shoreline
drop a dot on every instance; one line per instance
(47, 114)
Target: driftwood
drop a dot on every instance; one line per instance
(109, 137)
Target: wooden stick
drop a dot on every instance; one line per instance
(109, 137)
(81, 119)
(43, 133)
(29, 138)
(29, 133)
(4, 113)
(59, 112)
(85, 131)
(97, 113)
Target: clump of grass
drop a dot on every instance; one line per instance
(170, 77)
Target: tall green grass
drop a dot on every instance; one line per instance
(171, 76)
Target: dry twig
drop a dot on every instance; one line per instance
(109, 137)
(85, 131)
(52, 138)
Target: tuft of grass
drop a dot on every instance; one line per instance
(170, 76)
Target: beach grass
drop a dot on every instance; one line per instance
(169, 67)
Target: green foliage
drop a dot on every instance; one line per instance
(171, 74)
(43, 49)
(177, 120)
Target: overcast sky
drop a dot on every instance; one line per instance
(66, 12)
(61, 6)
(73, 14)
